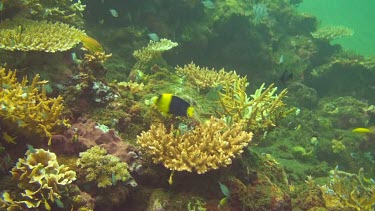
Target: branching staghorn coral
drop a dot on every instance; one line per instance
(259, 112)
(66, 11)
(43, 180)
(102, 168)
(347, 190)
(152, 51)
(28, 108)
(209, 146)
(29, 35)
(204, 78)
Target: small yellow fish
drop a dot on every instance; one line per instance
(170, 180)
(91, 44)
(362, 130)
(223, 202)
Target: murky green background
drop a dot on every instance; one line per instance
(358, 15)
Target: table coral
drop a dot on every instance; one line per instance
(103, 169)
(332, 32)
(42, 178)
(153, 50)
(209, 146)
(27, 107)
(28, 35)
(204, 78)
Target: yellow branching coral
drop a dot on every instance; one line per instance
(332, 32)
(153, 50)
(28, 108)
(204, 78)
(347, 190)
(209, 146)
(28, 35)
(260, 111)
(43, 180)
(103, 169)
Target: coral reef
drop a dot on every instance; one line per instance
(43, 180)
(208, 146)
(27, 108)
(203, 78)
(28, 35)
(99, 167)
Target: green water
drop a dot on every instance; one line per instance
(358, 15)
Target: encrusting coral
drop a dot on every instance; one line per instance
(102, 168)
(28, 35)
(204, 78)
(27, 107)
(209, 146)
(43, 180)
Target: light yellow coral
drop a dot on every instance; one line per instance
(203, 78)
(209, 146)
(42, 178)
(27, 107)
(29, 35)
(102, 168)
(259, 111)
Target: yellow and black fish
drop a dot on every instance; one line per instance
(170, 104)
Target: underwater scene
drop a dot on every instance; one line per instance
(187, 105)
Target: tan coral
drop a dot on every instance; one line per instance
(29, 35)
(209, 146)
(28, 109)
(204, 78)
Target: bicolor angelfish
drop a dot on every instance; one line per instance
(170, 104)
